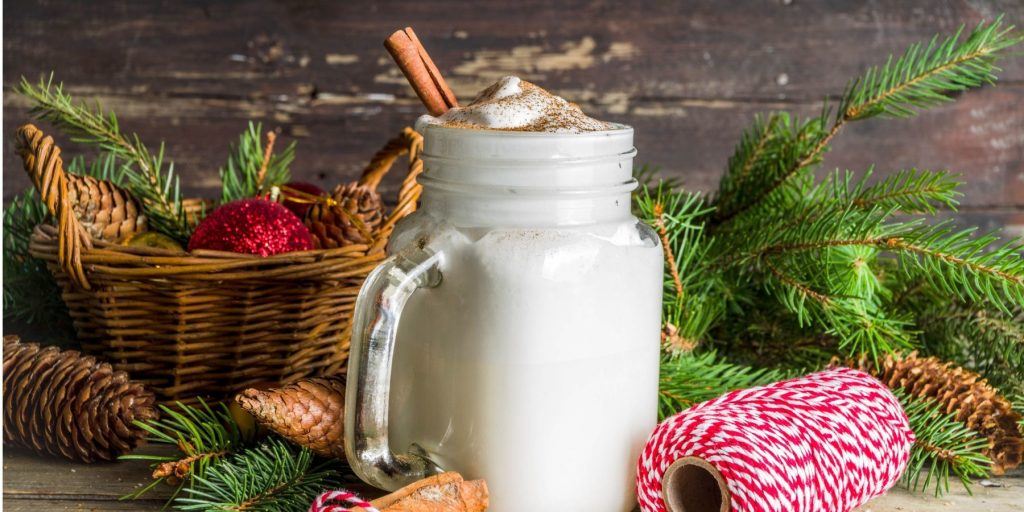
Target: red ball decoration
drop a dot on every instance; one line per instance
(251, 226)
(297, 203)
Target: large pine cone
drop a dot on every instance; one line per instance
(960, 391)
(63, 403)
(309, 413)
(354, 217)
(106, 211)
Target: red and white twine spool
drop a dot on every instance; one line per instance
(829, 441)
(328, 502)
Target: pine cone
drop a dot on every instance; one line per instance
(63, 403)
(309, 413)
(960, 391)
(105, 211)
(354, 217)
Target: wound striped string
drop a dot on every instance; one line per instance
(829, 441)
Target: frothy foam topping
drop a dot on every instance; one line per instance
(517, 105)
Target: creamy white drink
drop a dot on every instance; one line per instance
(532, 359)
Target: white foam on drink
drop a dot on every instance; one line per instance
(513, 104)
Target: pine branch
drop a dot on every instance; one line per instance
(146, 175)
(943, 447)
(926, 75)
(272, 477)
(962, 265)
(202, 435)
(784, 148)
(921, 78)
(253, 168)
(976, 336)
(753, 145)
(907, 191)
(688, 379)
(680, 212)
(952, 261)
(692, 294)
(857, 322)
(758, 339)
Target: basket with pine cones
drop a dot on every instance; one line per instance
(201, 297)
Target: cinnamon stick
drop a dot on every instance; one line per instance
(420, 71)
(446, 492)
(435, 74)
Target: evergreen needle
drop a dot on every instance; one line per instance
(248, 172)
(146, 175)
(943, 447)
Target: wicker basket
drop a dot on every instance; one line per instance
(207, 323)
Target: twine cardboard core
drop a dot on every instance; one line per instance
(691, 484)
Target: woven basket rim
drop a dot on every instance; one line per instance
(100, 258)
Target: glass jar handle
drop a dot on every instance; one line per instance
(375, 323)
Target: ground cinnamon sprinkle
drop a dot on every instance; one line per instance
(553, 114)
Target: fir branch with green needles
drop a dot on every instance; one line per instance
(927, 75)
(943, 447)
(688, 379)
(691, 295)
(976, 336)
(203, 436)
(778, 149)
(252, 167)
(783, 268)
(272, 477)
(909, 191)
(147, 175)
(220, 466)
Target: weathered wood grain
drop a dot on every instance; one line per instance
(32, 484)
(688, 75)
(15, 504)
(28, 477)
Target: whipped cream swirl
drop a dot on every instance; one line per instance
(517, 105)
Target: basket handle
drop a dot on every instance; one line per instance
(41, 157)
(408, 141)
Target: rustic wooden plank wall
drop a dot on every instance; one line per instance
(688, 75)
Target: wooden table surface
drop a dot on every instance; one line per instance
(35, 484)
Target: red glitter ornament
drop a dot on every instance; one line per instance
(251, 226)
(299, 203)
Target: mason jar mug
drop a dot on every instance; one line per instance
(513, 332)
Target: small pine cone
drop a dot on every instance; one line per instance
(354, 217)
(960, 391)
(106, 211)
(63, 403)
(309, 413)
